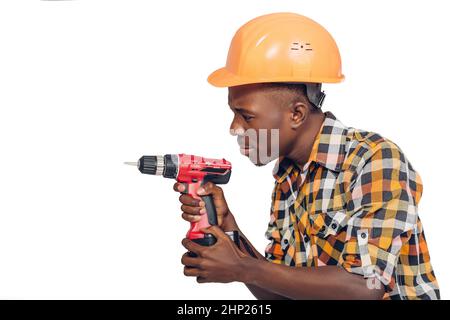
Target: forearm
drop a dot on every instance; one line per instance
(327, 282)
(267, 280)
(259, 293)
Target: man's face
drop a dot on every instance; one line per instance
(261, 122)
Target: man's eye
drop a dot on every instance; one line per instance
(247, 118)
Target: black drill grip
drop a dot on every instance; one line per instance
(207, 241)
(210, 209)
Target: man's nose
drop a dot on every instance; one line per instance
(236, 129)
(237, 132)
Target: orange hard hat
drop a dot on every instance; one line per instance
(280, 47)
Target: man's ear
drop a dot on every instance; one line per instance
(298, 114)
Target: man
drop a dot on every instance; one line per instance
(343, 221)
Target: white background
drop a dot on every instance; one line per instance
(86, 85)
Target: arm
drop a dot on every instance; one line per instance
(268, 280)
(224, 262)
(308, 283)
(259, 293)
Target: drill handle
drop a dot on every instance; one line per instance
(211, 212)
(209, 203)
(206, 220)
(210, 209)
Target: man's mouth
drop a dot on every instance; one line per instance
(245, 151)
(245, 146)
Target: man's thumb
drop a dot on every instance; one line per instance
(210, 188)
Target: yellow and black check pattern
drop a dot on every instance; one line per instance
(354, 205)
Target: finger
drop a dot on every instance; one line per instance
(188, 200)
(190, 217)
(212, 189)
(192, 272)
(189, 261)
(192, 246)
(202, 279)
(179, 187)
(216, 231)
(191, 210)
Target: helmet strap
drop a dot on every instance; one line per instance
(315, 95)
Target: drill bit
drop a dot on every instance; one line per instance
(132, 163)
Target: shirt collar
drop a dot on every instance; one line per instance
(328, 149)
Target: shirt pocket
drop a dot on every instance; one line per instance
(329, 223)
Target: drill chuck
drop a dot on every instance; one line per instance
(166, 165)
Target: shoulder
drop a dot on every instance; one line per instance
(369, 154)
(364, 146)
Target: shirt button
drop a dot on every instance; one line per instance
(334, 225)
(285, 241)
(363, 235)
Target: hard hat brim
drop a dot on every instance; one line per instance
(224, 78)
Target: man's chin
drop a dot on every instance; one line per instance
(259, 164)
(257, 161)
(252, 155)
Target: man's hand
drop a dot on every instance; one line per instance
(193, 208)
(222, 262)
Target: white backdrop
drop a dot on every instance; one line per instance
(86, 85)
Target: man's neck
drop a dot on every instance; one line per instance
(303, 147)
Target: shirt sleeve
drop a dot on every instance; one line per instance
(382, 203)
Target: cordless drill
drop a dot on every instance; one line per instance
(192, 172)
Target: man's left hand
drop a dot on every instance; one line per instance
(222, 262)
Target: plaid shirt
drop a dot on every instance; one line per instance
(354, 205)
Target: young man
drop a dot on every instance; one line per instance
(344, 221)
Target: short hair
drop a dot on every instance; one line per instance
(298, 90)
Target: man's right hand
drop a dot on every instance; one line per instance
(192, 208)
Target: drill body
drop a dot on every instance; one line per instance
(193, 172)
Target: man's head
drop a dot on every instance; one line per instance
(270, 118)
(270, 60)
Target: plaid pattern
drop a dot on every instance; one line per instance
(354, 205)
